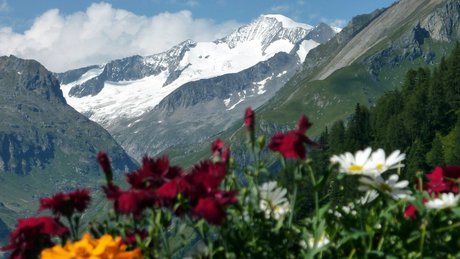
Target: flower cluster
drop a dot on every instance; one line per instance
(66, 204)
(366, 162)
(223, 211)
(371, 165)
(273, 200)
(87, 247)
(442, 190)
(32, 235)
(157, 184)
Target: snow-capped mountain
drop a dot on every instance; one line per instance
(123, 92)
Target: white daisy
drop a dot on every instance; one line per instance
(391, 187)
(445, 200)
(273, 201)
(322, 241)
(357, 164)
(368, 197)
(380, 163)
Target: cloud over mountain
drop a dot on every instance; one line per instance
(103, 33)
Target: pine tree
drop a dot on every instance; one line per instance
(337, 137)
(436, 155)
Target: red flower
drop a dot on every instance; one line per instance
(112, 192)
(66, 204)
(442, 179)
(218, 149)
(211, 208)
(249, 119)
(134, 202)
(411, 211)
(171, 189)
(104, 162)
(205, 178)
(32, 235)
(292, 144)
(130, 238)
(153, 173)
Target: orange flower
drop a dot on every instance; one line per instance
(103, 248)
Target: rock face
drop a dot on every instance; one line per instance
(200, 109)
(45, 145)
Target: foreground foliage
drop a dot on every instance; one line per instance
(246, 214)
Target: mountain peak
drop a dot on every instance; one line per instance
(267, 29)
(286, 21)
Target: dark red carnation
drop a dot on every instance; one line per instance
(293, 143)
(104, 162)
(411, 211)
(66, 204)
(112, 192)
(130, 238)
(249, 119)
(212, 208)
(219, 150)
(32, 235)
(205, 178)
(134, 202)
(153, 173)
(442, 180)
(171, 189)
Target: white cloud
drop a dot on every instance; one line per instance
(339, 23)
(279, 8)
(191, 3)
(102, 33)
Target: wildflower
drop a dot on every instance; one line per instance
(87, 247)
(104, 162)
(322, 241)
(380, 163)
(32, 235)
(66, 204)
(292, 144)
(220, 151)
(357, 164)
(211, 208)
(153, 173)
(249, 119)
(134, 201)
(368, 197)
(443, 201)
(273, 201)
(205, 177)
(391, 187)
(443, 179)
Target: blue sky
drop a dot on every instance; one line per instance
(98, 31)
(20, 14)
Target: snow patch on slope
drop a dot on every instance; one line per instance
(305, 47)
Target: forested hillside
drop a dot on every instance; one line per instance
(420, 118)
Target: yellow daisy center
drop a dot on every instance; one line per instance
(379, 167)
(355, 168)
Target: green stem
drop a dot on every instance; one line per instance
(165, 243)
(352, 253)
(294, 198)
(422, 240)
(448, 227)
(72, 228)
